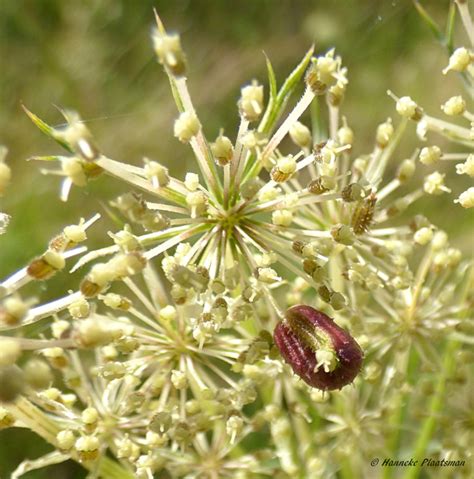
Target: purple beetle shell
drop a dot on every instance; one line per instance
(301, 357)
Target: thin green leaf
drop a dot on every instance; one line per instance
(272, 97)
(271, 79)
(47, 129)
(294, 77)
(429, 21)
(449, 36)
(288, 87)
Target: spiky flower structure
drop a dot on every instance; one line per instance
(161, 358)
(457, 123)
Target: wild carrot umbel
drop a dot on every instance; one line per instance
(167, 356)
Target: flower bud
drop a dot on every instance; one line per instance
(11, 383)
(38, 374)
(234, 426)
(408, 108)
(321, 73)
(337, 91)
(267, 275)
(197, 202)
(79, 309)
(384, 133)
(430, 155)
(156, 173)
(300, 135)
(251, 101)
(78, 137)
(169, 52)
(423, 236)
(73, 168)
(90, 416)
(127, 450)
(222, 149)
(250, 188)
(440, 240)
(321, 184)
(154, 439)
(87, 448)
(406, 170)
(456, 105)
(459, 60)
(466, 199)
(282, 217)
(343, 234)
(56, 357)
(10, 351)
(46, 265)
(179, 379)
(324, 355)
(284, 169)
(65, 440)
(345, 135)
(466, 168)
(337, 301)
(191, 181)
(186, 126)
(116, 301)
(13, 310)
(434, 184)
(92, 333)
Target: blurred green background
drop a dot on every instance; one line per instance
(95, 56)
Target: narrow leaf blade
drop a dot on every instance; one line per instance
(47, 129)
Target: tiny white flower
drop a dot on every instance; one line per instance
(251, 101)
(459, 60)
(423, 236)
(300, 135)
(434, 184)
(430, 155)
(186, 126)
(456, 105)
(406, 107)
(282, 217)
(466, 199)
(466, 168)
(191, 181)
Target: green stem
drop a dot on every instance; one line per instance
(408, 363)
(435, 408)
(347, 469)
